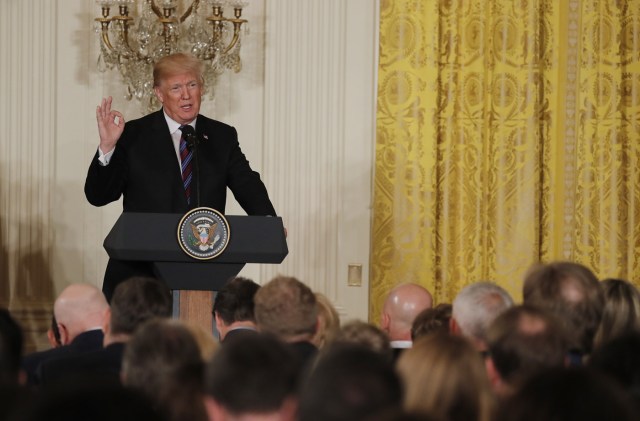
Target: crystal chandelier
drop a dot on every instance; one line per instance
(143, 31)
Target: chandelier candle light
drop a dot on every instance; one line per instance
(133, 44)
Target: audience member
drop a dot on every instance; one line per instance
(11, 347)
(619, 358)
(53, 333)
(207, 343)
(562, 394)
(233, 308)
(134, 301)
(621, 312)
(79, 311)
(349, 383)
(286, 308)
(252, 378)
(400, 309)
(328, 321)
(163, 361)
(357, 332)
(572, 293)
(444, 376)
(474, 309)
(431, 320)
(522, 341)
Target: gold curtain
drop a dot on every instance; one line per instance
(508, 132)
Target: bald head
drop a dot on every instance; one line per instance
(78, 308)
(401, 307)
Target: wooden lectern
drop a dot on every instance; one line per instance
(152, 238)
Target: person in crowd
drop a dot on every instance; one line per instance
(79, 311)
(574, 394)
(400, 309)
(286, 308)
(233, 308)
(53, 333)
(474, 309)
(522, 341)
(350, 383)
(444, 376)
(328, 321)
(621, 312)
(163, 361)
(252, 378)
(357, 332)
(619, 358)
(573, 294)
(169, 161)
(207, 343)
(11, 348)
(431, 320)
(135, 301)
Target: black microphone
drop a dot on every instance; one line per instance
(190, 136)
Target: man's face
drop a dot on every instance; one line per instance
(180, 96)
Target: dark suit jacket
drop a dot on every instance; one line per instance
(84, 342)
(104, 363)
(145, 171)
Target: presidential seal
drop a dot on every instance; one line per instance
(203, 233)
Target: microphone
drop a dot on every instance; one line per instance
(190, 136)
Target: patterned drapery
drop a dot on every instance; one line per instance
(508, 132)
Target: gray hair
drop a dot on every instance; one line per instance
(477, 305)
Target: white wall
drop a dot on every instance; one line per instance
(303, 106)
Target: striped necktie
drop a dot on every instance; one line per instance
(185, 162)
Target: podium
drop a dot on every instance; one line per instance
(152, 238)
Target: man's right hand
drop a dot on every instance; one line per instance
(110, 125)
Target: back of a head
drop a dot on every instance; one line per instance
(163, 361)
(619, 359)
(11, 348)
(328, 320)
(561, 394)
(477, 305)
(79, 307)
(286, 308)
(401, 307)
(523, 341)
(234, 301)
(445, 376)
(349, 383)
(431, 320)
(357, 332)
(137, 300)
(573, 294)
(253, 374)
(621, 312)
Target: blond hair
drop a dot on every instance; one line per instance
(445, 376)
(177, 64)
(621, 313)
(328, 321)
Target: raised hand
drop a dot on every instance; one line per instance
(110, 125)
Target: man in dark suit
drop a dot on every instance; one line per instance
(143, 160)
(233, 309)
(135, 301)
(80, 311)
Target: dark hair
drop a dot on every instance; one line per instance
(619, 359)
(350, 383)
(431, 320)
(162, 360)
(252, 374)
(572, 293)
(234, 301)
(524, 340)
(571, 394)
(11, 348)
(137, 300)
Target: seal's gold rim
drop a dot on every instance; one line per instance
(187, 216)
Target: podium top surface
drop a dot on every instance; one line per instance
(152, 237)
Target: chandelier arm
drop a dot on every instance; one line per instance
(104, 34)
(156, 9)
(188, 12)
(237, 24)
